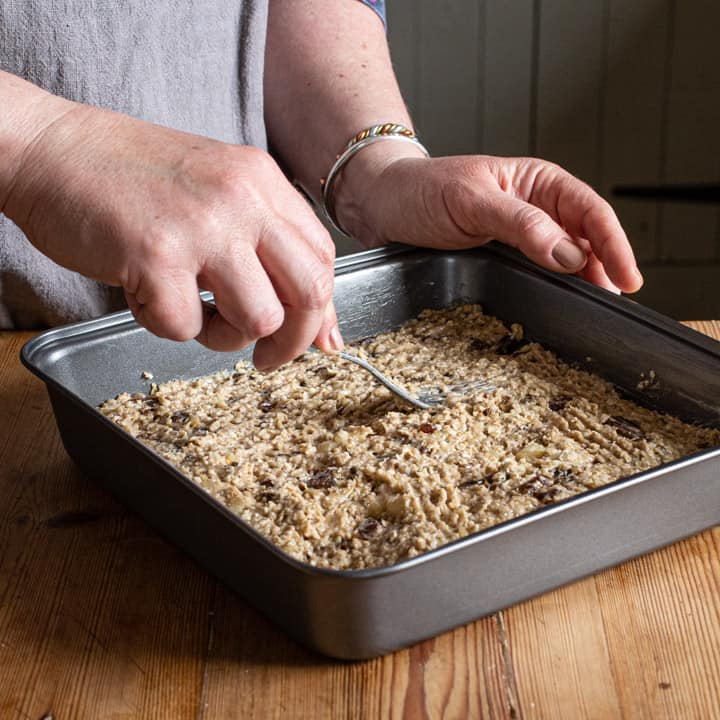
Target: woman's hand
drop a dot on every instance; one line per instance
(164, 214)
(555, 219)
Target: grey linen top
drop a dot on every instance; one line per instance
(193, 65)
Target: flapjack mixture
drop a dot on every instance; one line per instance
(338, 472)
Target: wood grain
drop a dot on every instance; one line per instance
(102, 618)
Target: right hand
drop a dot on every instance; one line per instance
(163, 214)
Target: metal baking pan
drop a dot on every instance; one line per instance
(361, 614)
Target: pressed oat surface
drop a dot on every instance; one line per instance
(338, 472)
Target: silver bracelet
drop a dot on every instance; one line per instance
(353, 147)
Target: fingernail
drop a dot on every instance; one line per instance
(569, 255)
(335, 339)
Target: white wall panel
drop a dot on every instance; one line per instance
(636, 77)
(692, 140)
(508, 52)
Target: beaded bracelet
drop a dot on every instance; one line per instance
(382, 131)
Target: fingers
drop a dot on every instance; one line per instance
(247, 305)
(277, 292)
(329, 339)
(168, 306)
(304, 283)
(585, 214)
(525, 227)
(594, 272)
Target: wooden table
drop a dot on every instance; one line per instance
(102, 618)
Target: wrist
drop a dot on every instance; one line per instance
(30, 111)
(359, 201)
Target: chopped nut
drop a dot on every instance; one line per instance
(532, 451)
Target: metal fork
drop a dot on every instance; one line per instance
(426, 397)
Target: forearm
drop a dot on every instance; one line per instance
(328, 75)
(25, 112)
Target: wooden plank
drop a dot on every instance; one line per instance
(662, 661)
(667, 661)
(507, 77)
(692, 143)
(632, 125)
(99, 617)
(448, 89)
(457, 675)
(709, 327)
(570, 76)
(561, 634)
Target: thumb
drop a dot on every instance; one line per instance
(532, 231)
(329, 339)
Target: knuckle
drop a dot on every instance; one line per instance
(530, 221)
(325, 247)
(164, 323)
(265, 322)
(256, 156)
(242, 180)
(318, 291)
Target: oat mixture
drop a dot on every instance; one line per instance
(336, 471)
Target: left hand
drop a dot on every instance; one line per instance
(460, 202)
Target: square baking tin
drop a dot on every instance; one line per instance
(365, 613)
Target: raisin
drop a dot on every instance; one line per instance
(480, 345)
(366, 340)
(427, 428)
(626, 428)
(509, 345)
(321, 480)
(537, 487)
(557, 404)
(547, 496)
(266, 406)
(469, 483)
(368, 528)
(488, 479)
